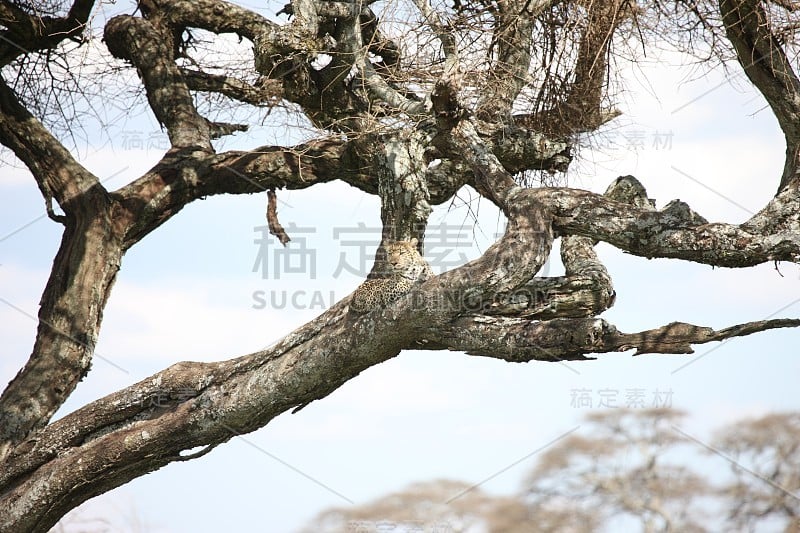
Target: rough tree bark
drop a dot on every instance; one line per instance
(409, 129)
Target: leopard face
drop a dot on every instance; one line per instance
(403, 260)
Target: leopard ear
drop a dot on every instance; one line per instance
(413, 241)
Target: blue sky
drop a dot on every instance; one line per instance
(188, 292)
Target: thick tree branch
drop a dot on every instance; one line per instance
(353, 43)
(349, 49)
(405, 200)
(138, 41)
(379, 89)
(513, 39)
(781, 214)
(283, 56)
(328, 97)
(83, 271)
(766, 65)
(166, 390)
(579, 294)
(56, 172)
(26, 33)
(505, 267)
(491, 179)
(215, 16)
(562, 339)
(517, 149)
(71, 310)
(671, 232)
(265, 93)
(521, 149)
(118, 438)
(586, 289)
(459, 135)
(179, 178)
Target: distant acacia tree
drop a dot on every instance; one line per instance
(443, 506)
(622, 466)
(409, 100)
(765, 461)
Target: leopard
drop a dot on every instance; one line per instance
(404, 268)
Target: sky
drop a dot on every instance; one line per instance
(207, 286)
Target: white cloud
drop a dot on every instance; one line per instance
(20, 289)
(174, 324)
(14, 175)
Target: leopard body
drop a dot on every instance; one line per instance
(404, 268)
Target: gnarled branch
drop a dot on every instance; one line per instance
(139, 41)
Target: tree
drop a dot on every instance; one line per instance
(623, 469)
(484, 93)
(764, 455)
(442, 505)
